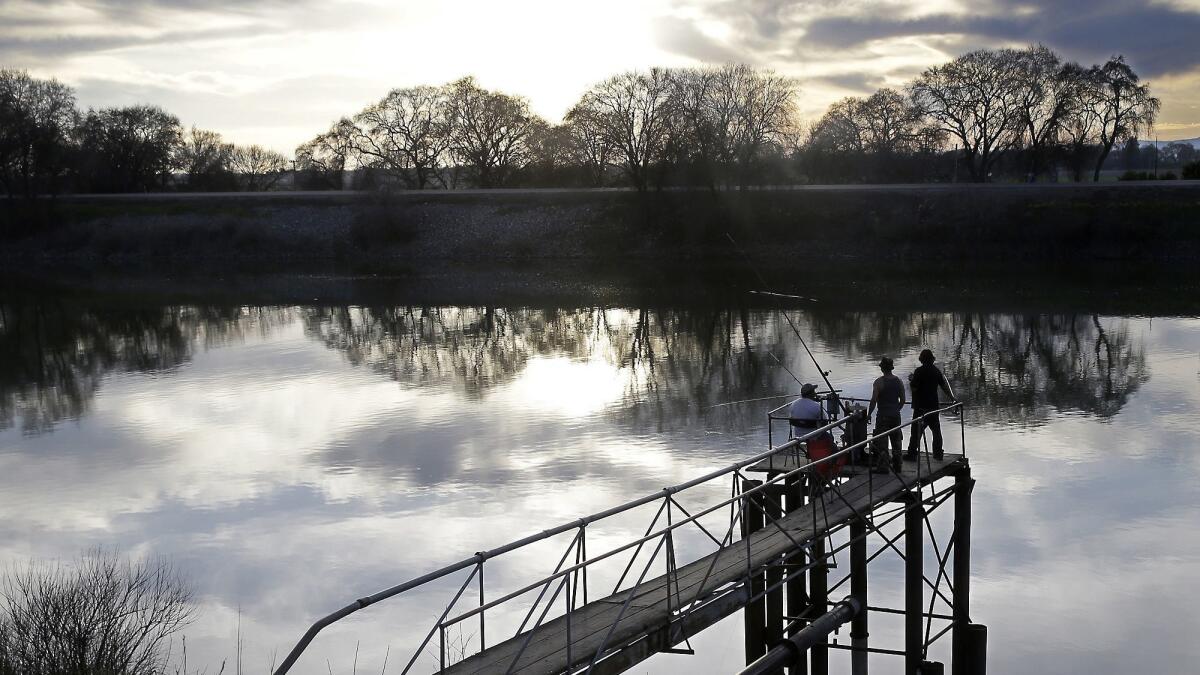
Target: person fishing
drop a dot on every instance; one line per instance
(807, 414)
(925, 383)
(888, 394)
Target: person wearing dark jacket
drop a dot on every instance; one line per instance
(925, 382)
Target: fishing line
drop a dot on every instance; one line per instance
(752, 400)
(803, 342)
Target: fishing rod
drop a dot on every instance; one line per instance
(751, 400)
(824, 373)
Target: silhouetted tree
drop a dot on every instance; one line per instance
(37, 118)
(1131, 154)
(131, 149)
(257, 168)
(205, 157)
(1049, 92)
(975, 99)
(588, 146)
(633, 111)
(1177, 154)
(324, 159)
(1122, 105)
(489, 131)
(407, 134)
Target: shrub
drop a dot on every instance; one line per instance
(101, 614)
(1192, 171)
(1170, 175)
(1135, 175)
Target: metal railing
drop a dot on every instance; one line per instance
(572, 581)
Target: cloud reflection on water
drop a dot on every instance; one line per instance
(295, 458)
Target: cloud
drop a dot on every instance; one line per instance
(1158, 39)
(681, 36)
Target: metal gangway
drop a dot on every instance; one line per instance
(771, 560)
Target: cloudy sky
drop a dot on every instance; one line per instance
(279, 71)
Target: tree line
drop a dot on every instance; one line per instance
(1023, 114)
(49, 145)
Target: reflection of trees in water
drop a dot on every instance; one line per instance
(674, 364)
(53, 356)
(1010, 367)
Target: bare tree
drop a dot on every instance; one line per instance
(891, 124)
(130, 149)
(842, 129)
(101, 614)
(703, 120)
(329, 154)
(205, 157)
(257, 168)
(1123, 106)
(765, 110)
(489, 131)
(36, 121)
(633, 112)
(974, 98)
(407, 134)
(1049, 94)
(589, 147)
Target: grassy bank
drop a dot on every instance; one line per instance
(1030, 224)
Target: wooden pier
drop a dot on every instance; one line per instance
(653, 622)
(773, 564)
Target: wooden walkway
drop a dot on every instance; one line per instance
(649, 619)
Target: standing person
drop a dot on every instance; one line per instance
(925, 382)
(888, 394)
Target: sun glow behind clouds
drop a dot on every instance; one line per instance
(277, 73)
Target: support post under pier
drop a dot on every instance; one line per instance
(858, 591)
(775, 621)
(819, 581)
(963, 486)
(796, 586)
(755, 612)
(913, 590)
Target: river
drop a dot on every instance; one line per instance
(291, 458)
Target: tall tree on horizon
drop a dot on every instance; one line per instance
(489, 131)
(37, 118)
(407, 133)
(634, 112)
(1123, 106)
(1049, 93)
(975, 99)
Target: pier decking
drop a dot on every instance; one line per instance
(655, 620)
(773, 561)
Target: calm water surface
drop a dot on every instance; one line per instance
(291, 459)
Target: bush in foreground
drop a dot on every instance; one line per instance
(100, 614)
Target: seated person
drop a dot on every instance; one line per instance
(807, 414)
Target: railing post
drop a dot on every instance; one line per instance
(482, 621)
(755, 612)
(858, 591)
(963, 485)
(914, 644)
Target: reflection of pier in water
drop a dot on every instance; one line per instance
(772, 562)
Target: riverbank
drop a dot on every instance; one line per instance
(372, 233)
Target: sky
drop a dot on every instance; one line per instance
(278, 72)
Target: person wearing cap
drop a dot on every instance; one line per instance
(806, 413)
(925, 382)
(888, 394)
